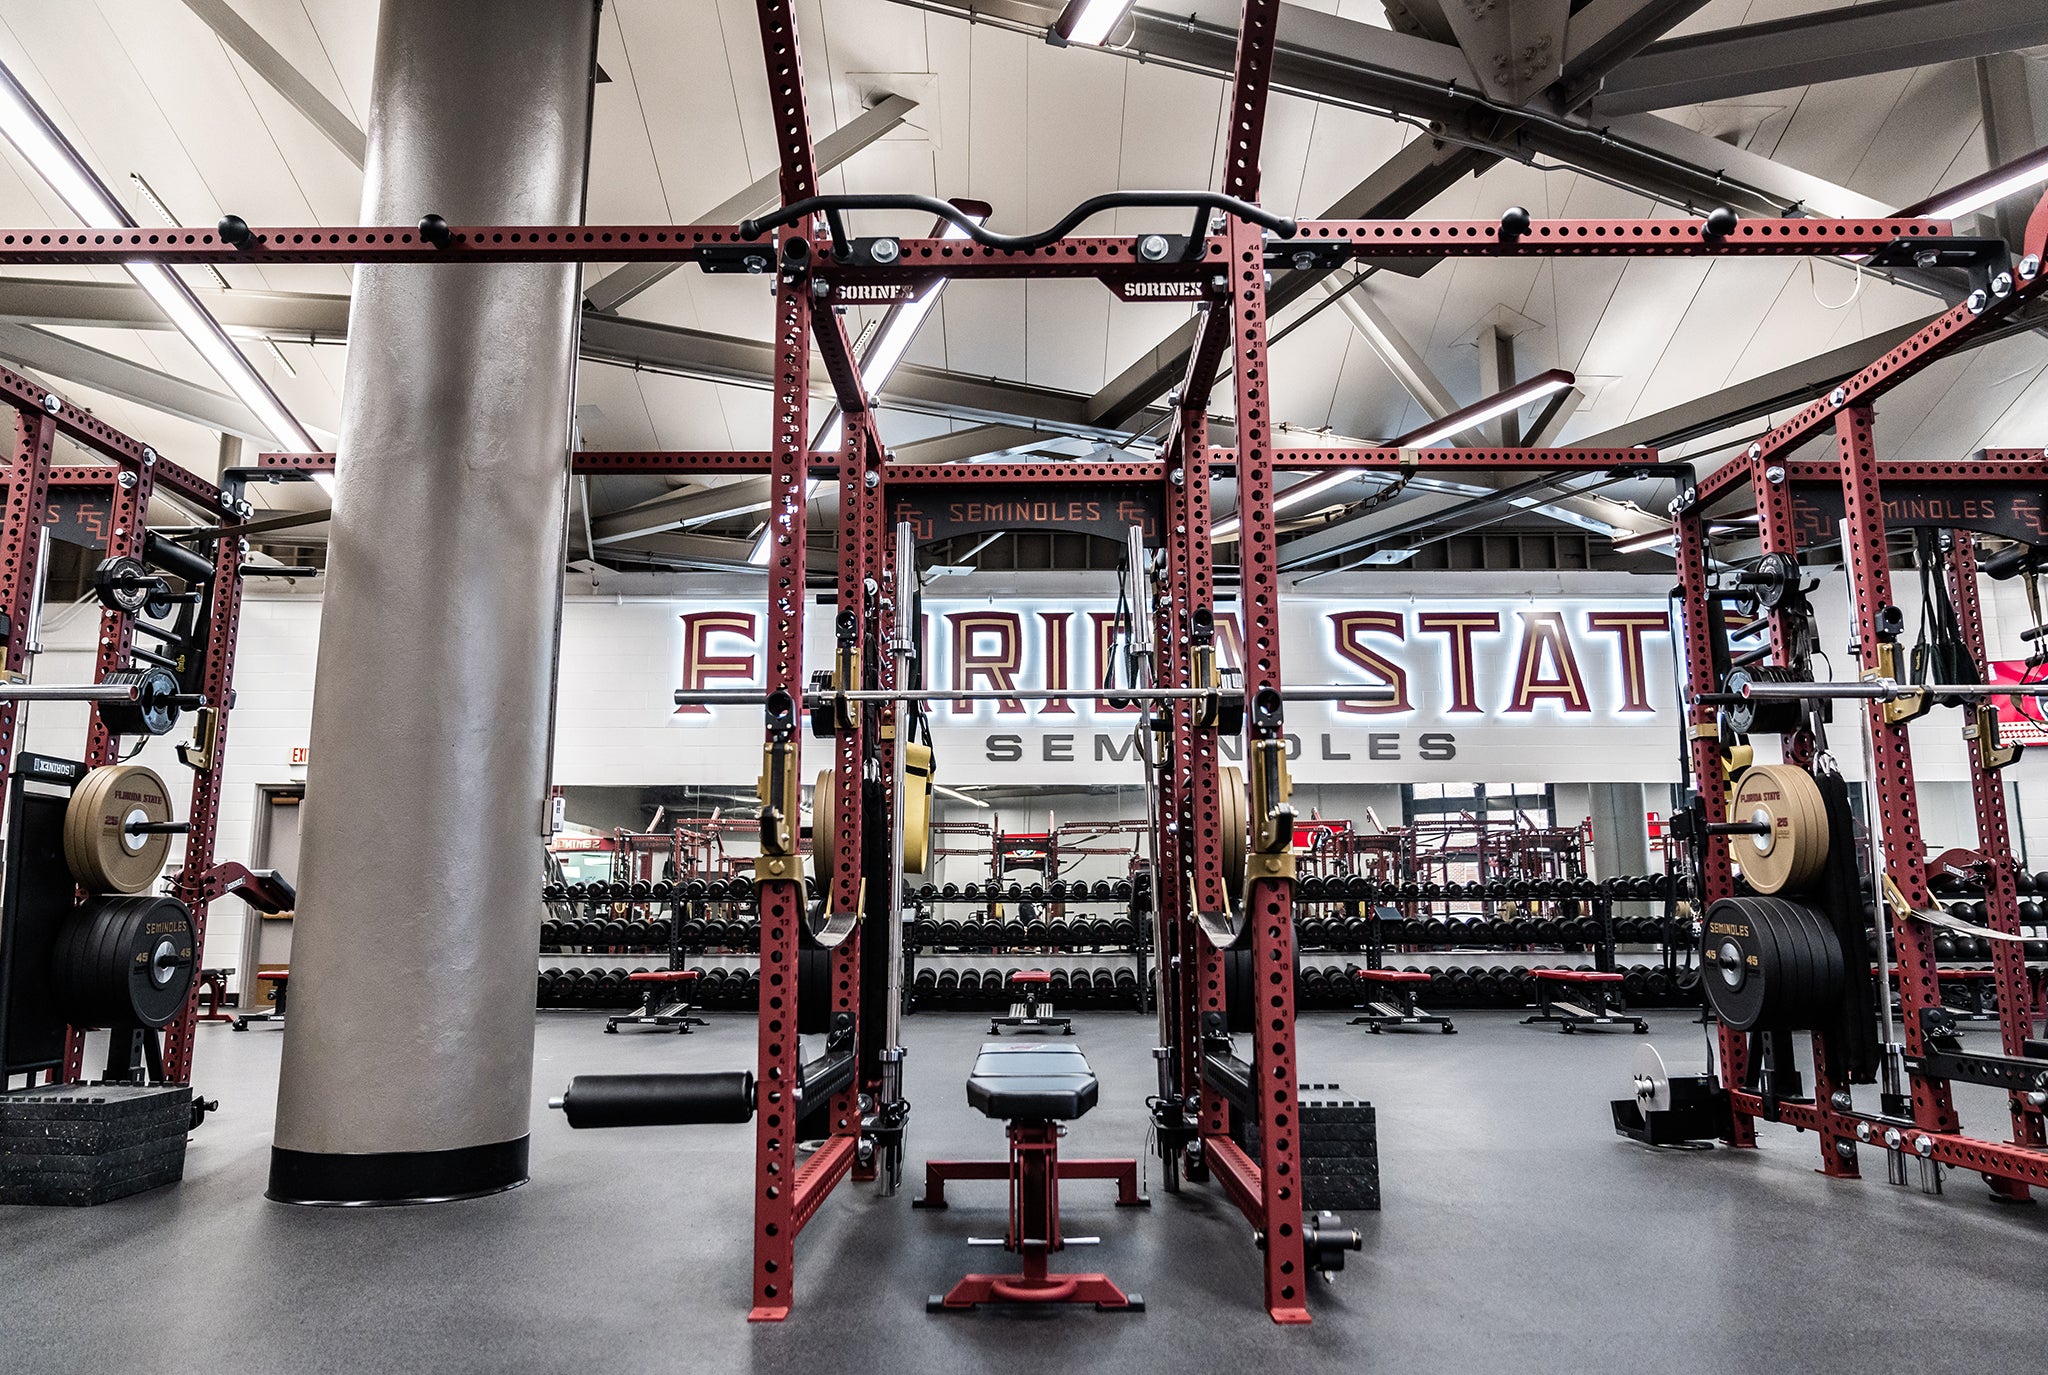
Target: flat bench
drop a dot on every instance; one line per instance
(1034, 1088)
(281, 978)
(664, 1001)
(1028, 1013)
(1573, 998)
(1395, 1007)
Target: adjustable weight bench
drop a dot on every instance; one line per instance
(1035, 1089)
(1402, 986)
(664, 1001)
(1555, 1000)
(1029, 1014)
(280, 977)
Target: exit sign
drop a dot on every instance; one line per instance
(300, 754)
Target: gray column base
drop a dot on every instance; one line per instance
(386, 1178)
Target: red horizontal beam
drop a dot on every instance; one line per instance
(1390, 460)
(1553, 238)
(921, 259)
(1221, 461)
(1997, 1158)
(2028, 467)
(818, 1176)
(85, 475)
(1238, 1174)
(899, 475)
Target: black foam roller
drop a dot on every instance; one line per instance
(658, 1100)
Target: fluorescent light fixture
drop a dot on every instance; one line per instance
(1436, 432)
(163, 212)
(1980, 191)
(1635, 544)
(885, 349)
(1088, 22)
(58, 163)
(959, 796)
(204, 333)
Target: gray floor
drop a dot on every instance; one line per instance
(1519, 1235)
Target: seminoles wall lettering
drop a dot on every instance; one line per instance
(1532, 662)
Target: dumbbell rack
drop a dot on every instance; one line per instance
(1055, 932)
(1484, 977)
(1973, 997)
(673, 918)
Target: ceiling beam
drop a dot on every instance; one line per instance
(1551, 420)
(1831, 45)
(962, 445)
(1404, 183)
(696, 506)
(1396, 189)
(1402, 358)
(1324, 58)
(1785, 388)
(1516, 50)
(82, 365)
(1606, 33)
(282, 77)
(621, 285)
(2012, 128)
(288, 316)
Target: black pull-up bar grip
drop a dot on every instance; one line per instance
(798, 211)
(657, 1100)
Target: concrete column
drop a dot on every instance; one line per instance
(408, 1051)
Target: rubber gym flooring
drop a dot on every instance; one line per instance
(1519, 1234)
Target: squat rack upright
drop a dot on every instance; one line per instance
(1220, 266)
(131, 476)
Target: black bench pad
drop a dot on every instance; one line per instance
(1043, 1083)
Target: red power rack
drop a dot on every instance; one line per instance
(122, 486)
(1221, 268)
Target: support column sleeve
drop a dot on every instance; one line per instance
(408, 1052)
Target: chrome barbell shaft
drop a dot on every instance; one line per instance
(1886, 690)
(742, 697)
(70, 692)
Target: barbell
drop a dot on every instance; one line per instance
(1330, 692)
(143, 701)
(1875, 689)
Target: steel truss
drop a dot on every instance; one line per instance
(1220, 266)
(129, 477)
